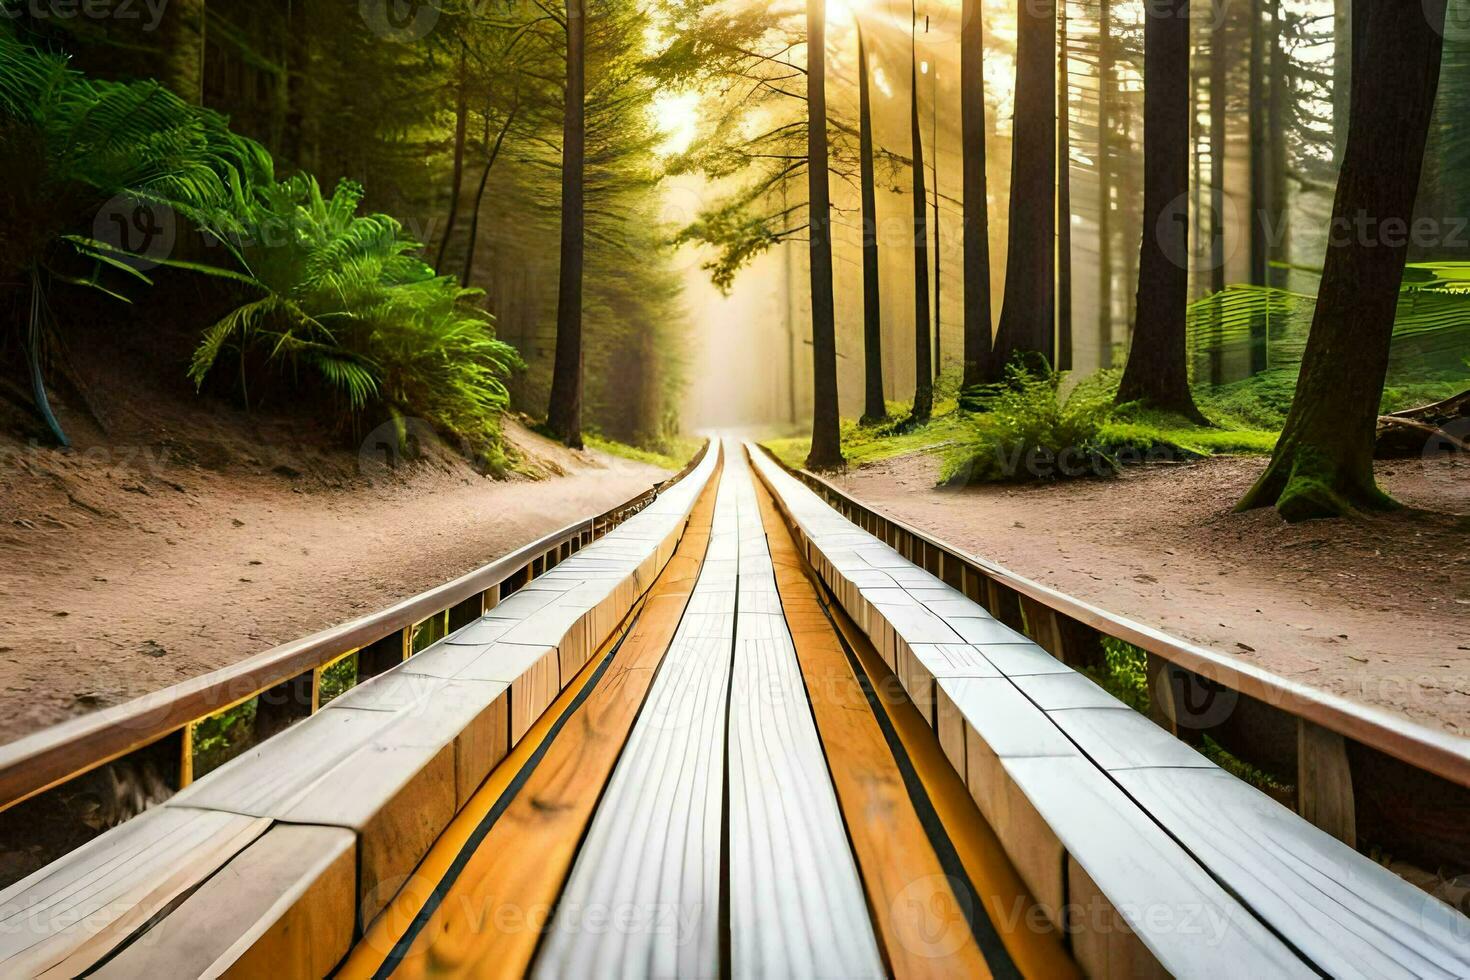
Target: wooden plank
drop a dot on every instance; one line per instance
(906, 885)
(654, 844)
(283, 907)
(1190, 924)
(524, 860)
(67, 916)
(1351, 917)
(1022, 659)
(1120, 738)
(1441, 753)
(797, 906)
(1055, 692)
(1324, 784)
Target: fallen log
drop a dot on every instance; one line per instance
(1426, 428)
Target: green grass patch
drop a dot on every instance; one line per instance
(671, 457)
(864, 444)
(338, 679)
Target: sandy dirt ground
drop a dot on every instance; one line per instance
(122, 572)
(1377, 610)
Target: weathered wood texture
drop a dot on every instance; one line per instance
(523, 862)
(1047, 754)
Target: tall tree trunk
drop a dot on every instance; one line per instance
(975, 193)
(1104, 184)
(1219, 52)
(875, 408)
(456, 184)
(1064, 198)
(826, 452)
(1259, 219)
(1027, 316)
(938, 221)
(182, 37)
(1278, 91)
(301, 140)
(1157, 373)
(1323, 464)
(1342, 62)
(564, 416)
(469, 255)
(923, 364)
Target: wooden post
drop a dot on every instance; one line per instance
(385, 654)
(1161, 693)
(283, 704)
(1324, 785)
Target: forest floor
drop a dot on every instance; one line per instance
(126, 569)
(1376, 610)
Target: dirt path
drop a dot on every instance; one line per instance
(1378, 611)
(119, 576)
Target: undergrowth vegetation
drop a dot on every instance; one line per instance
(1057, 426)
(330, 300)
(1027, 428)
(343, 299)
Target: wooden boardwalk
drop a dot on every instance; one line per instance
(739, 736)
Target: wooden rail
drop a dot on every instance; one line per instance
(1363, 774)
(157, 729)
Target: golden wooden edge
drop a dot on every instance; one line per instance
(1437, 752)
(382, 935)
(995, 882)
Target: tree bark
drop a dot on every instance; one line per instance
(1219, 51)
(826, 451)
(1104, 185)
(564, 416)
(1064, 199)
(302, 137)
(923, 361)
(469, 255)
(1258, 220)
(975, 194)
(1323, 463)
(456, 184)
(1027, 316)
(182, 38)
(1157, 374)
(875, 408)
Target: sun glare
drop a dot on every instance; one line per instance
(677, 117)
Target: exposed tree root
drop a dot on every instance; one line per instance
(1304, 483)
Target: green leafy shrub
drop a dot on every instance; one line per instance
(72, 148)
(343, 299)
(336, 301)
(1025, 429)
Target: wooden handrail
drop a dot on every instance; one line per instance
(73, 748)
(1437, 752)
